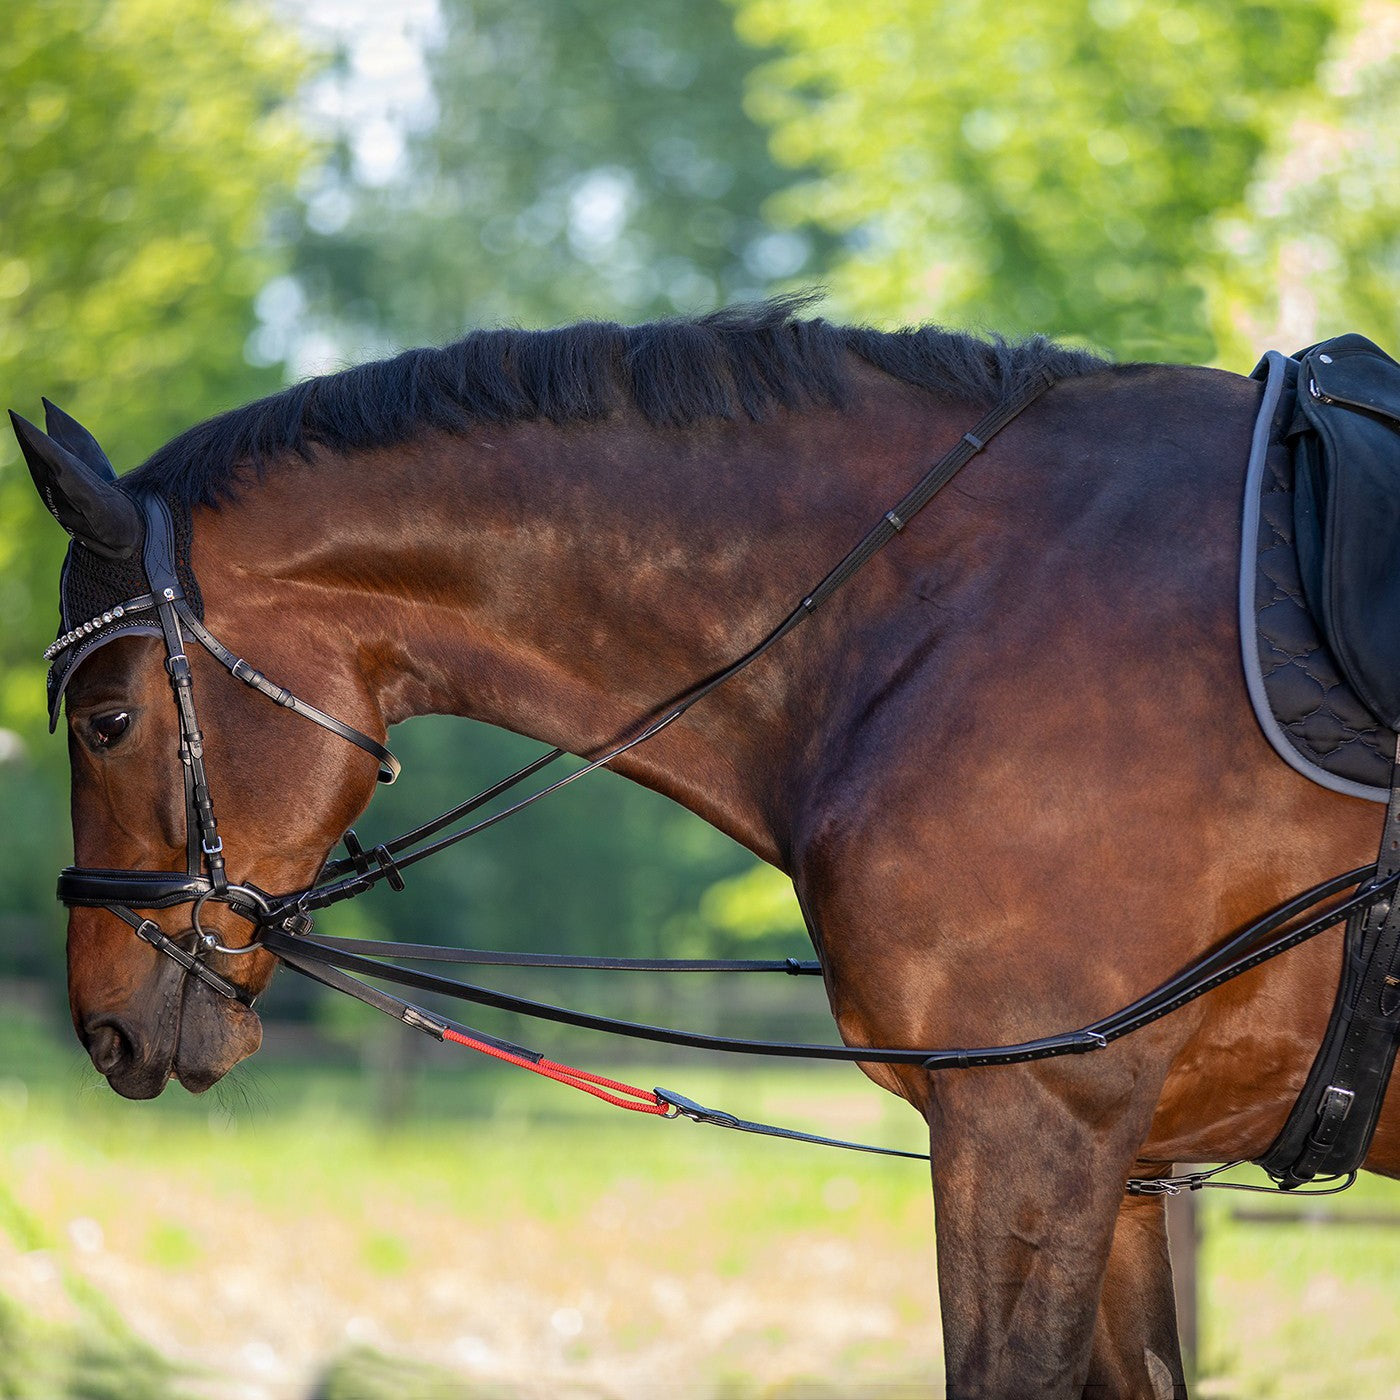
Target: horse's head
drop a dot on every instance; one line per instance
(175, 752)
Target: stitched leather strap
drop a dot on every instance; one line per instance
(88, 887)
(1329, 1129)
(192, 963)
(1251, 946)
(482, 957)
(389, 766)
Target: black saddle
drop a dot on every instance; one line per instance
(1320, 627)
(1320, 570)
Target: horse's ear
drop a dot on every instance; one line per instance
(69, 433)
(84, 502)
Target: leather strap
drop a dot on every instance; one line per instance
(1329, 1129)
(1246, 949)
(481, 957)
(88, 887)
(389, 766)
(193, 963)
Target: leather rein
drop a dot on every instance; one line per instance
(282, 924)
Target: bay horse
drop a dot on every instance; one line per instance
(1011, 768)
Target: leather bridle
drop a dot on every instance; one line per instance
(205, 877)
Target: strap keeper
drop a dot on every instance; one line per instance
(358, 858)
(386, 863)
(975, 442)
(894, 520)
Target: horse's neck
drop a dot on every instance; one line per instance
(565, 582)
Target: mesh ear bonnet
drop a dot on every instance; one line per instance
(92, 588)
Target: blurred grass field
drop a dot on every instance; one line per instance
(507, 1239)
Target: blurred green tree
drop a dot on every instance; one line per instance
(144, 155)
(1315, 249)
(576, 160)
(1056, 166)
(582, 160)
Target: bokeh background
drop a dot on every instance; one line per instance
(201, 200)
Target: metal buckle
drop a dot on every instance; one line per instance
(1336, 1101)
(1157, 1185)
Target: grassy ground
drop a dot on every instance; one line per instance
(520, 1242)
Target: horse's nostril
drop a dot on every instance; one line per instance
(109, 1046)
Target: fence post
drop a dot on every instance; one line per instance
(1183, 1239)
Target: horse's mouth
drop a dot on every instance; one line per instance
(198, 1039)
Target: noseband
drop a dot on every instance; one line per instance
(205, 878)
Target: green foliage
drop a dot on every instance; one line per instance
(1316, 250)
(755, 904)
(142, 158)
(93, 1357)
(586, 160)
(1054, 166)
(364, 1374)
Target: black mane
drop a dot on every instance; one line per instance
(745, 360)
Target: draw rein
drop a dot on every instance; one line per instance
(282, 925)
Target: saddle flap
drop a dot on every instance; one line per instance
(1353, 372)
(1349, 511)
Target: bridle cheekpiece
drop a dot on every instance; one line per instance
(164, 611)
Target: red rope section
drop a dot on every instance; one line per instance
(623, 1096)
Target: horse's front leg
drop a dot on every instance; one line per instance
(1028, 1172)
(1136, 1346)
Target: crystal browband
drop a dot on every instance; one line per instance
(103, 619)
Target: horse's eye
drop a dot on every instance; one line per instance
(107, 729)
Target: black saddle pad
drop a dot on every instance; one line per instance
(1305, 700)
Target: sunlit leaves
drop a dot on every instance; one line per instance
(144, 149)
(587, 161)
(1045, 166)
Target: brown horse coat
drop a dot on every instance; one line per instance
(1011, 768)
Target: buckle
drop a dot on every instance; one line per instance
(1337, 1100)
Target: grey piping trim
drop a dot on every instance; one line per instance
(1249, 648)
